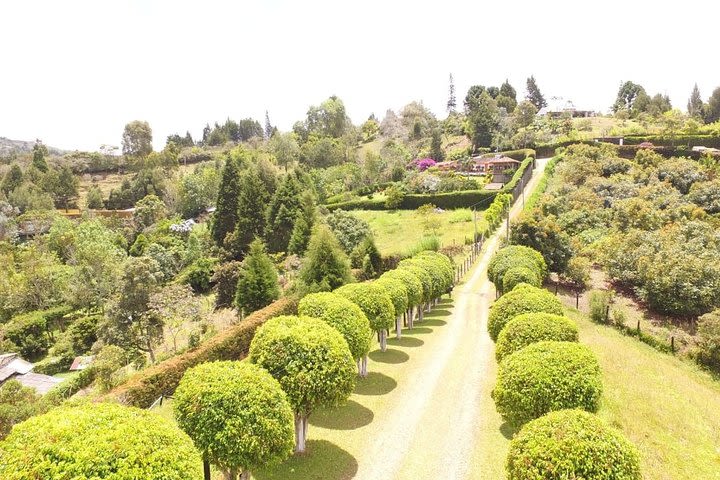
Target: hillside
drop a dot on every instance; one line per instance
(8, 146)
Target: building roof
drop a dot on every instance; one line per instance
(82, 362)
(41, 383)
(496, 160)
(12, 365)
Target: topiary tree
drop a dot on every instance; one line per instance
(529, 328)
(427, 288)
(571, 444)
(443, 264)
(236, 414)
(399, 296)
(517, 275)
(98, 440)
(375, 303)
(413, 286)
(312, 362)
(522, 299)
(257, 284)
(325, 266)
(346, 317)
(544, 377)
(515, 256)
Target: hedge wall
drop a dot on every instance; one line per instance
(412, 201)
(232, 344)
(520, 154)
(688, 141)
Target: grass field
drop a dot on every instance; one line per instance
(666, 406)
(400, 230)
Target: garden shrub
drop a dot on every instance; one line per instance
(517, 275)
(425, 279)
(599, 302)
(708, 334)
(413, 285)
(373, 301)
(571, 444)
(544, 377)
(199, 274)
(31, 331)
(514, 256)
(94, 441)
(397, 292)
(522, 299)
(530, 328)
(70, 386)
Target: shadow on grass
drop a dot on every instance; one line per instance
(406, 341)
(508, 431)
(375, 383)
(322, 460)
(434, 322)
(419, 330)
(446, 301)
(350, 416)
(389, 356)
(438, 313)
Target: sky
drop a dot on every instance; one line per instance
(74, 72)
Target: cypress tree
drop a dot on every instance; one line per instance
(451, 103)
(695, 104)
(534, 95)
(281, 214)
(325, 266)
(13, 179)
(39, 152)
(303, 225)
(226, 207)
(436, 151)
(252, 200)
(257, 284)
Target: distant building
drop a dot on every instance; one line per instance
(559, 106)
(12, 367)
(82, 362)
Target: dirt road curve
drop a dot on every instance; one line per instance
(429, 431)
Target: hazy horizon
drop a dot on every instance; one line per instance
(76, 73)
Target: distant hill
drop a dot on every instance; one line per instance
(8, 146)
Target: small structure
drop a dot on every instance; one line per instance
(449, 165)
(559, 106)
(710, 150)
(12, 367)
(81, 362)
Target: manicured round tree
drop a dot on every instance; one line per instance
(98, 440)
(444, 264)
(530, 328)
(375, 303)
(312, 362)
(346, 317)
(237, 415)
(437, 277)
(515, 256)
(544, 377)
(517, 275)
(427, 287)
(399, 297)
(414, 288)
(571, 444)
(522, 299)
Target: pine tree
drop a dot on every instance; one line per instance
(257, 284)
(226, 207)
(65, 190)
(252, 200)
(303, 225)
(436, 151)
(451, 103)
(94, 198)
(325, 266)
(13, 179)
(281, 214)
(695, 104)
(39, 152)
(534, 95)
(268, 126)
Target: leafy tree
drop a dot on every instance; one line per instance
(712, 109)
(394, 197)
(304, 223)
(247, 129)
(482, 120)
(108, 361)
(544, 235)
(175, 307)
(252, 199)
(63, 186)
(13, 179)
(367, 251)
(451, 103)
(148, 211)
(312, 362)
(281, 214)
(94, 198)
(348, 229)
(325, 266)
(226, 277)
(226, 209)
(328, 119)
(257, 284)
(137, 140)
(29, 196)
(40, 151)
(708, 334)
(524, 114)
(99, 440)
(236, 414)
(508, 93)
(17, 404)
(370, 130)
(268, 126)
(375, 303)
(533, 94)
(322, 152)
(627, 95)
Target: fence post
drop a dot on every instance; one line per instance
(672, 344)
(638, 328)
(607, 314)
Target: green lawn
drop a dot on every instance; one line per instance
(666, 406)
(399, 231)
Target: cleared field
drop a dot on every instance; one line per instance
(400, 230)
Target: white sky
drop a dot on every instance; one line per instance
(75, 72)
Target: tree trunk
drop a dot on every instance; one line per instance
(421, 308)
(300, 432)
(363, 368)
(151, 352)
(383, 340)
(206, 470)
(398, 327)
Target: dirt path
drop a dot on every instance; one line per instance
(430, 428)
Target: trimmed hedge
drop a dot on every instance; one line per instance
(70, 386)
(232, 344)
(373, 301)
(523, 299)
(688, 141)
(448, 200)
(515, 256)
(53, 365)
(571, 444)
(530, 328)
(518, 275)
(412, 283)
(544, 377)
(519, 154)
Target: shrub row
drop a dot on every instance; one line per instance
(232, 344)
(522, 299)
(53, 365)
(449, 200)
(530, 328)
(688, 141)
(517, 264)
(519, 154)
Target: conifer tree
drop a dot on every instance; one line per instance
(13, 179)
(268, 126)
(257, 284)
(226, 207)
(39, 152)
(325, 266)
(252, 200)
(695, 104)
(436, 151)
(451, 103)
(303, 225)
(534, 95)
(281, 214)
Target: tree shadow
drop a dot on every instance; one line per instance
(409, 342)
(446, 302)
(419, 330)
(439, 313)
(434, 322)
(508, 431)
(389, 356)
(375, 383)
(322, 460)
(350, 416)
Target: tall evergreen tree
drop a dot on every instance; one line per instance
(268, 126)
(534, 95)
(39, 153)
(712, 109)
(325, 266)
(695, 104)
(13, 179)
(257, 284)
(226, 207)
(451, 103)
(281, 214)
(303, 225)
(66, 189)
(436, 151)
(252, 200)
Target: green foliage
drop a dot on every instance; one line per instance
(93, 441)
(325, 266)
(341, 314)
(199, 274)
(95, 198)
(17, 403)
(349, 229)
(373, 300)
(483, 119)
(522, 299)
(137, 139)
(397, 292)
(543, 234)
(32, 332)
(706, 195)
(309, 358)
(198, 191)
(545, 377)
(226, 206)
(367, 250)
(425, 278)
(708, 334)
(516, 256)
(38, 159)
(413, 284)
(236, 414)
(225, 278)
(257, 284)
(599, 303)
(107, 363)
(148, 210)
(447, 201)
(282, 213)
(530, 328)
(394, 197)
(572, 444)
(517, 275)
(253, 199)
(533, 94)
(12, 179)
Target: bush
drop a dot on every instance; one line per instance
(517, 275)
(544, 377)
(93, 441)
(397, 292)
(571, 444)
(708, 334)
(31, 331)
(413, 285)
(373, 301)
(522, 299)
(226, 277)
(599, 302)
(70, 386)
(53, 365)
(530, 328)
(199, 274)
(515, 256)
